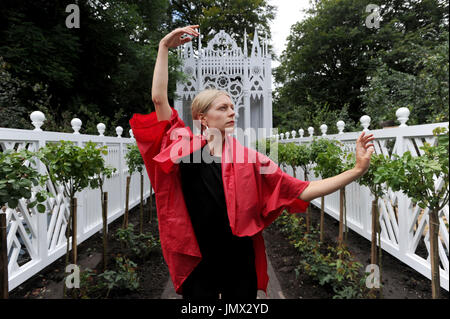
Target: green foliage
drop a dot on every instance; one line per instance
(134, 159)
(18, 177)
(422, 87)
(329, 156)
(334, 267)
(415, 175)
(372, 178)
(232, 16)
(72, 166)
(140, 245)
(331, 56)
(123, 277)
(105, 66)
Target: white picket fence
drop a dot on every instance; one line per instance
(404, 226)
(35, 240)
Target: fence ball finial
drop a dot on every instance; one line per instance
(340, 126)
(131, 133)
(293, 133)
(402, 116)
(76, 125)
(311, 131)
(301, 132)
(37, 119)
(323, 129)
(101, 129)
(287, 135)
(119, 131)
(365, 122)
(281, 136)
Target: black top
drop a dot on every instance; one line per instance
(205, 200)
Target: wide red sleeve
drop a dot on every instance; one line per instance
(152, 136)
(279, 191)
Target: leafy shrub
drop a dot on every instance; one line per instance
(124, 277)
(140, 245)
(334, 267)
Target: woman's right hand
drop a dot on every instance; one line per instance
(173, 39)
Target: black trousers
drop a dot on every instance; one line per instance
(233, 278)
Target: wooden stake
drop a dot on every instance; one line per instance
(322, 215)
(341, 216)
(3, 256)
(141, 217)
(434, 254)
(105, 229)
(127, 195)
(151, 204)
(74, 231)
(373, 248)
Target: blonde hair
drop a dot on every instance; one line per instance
(202, 102)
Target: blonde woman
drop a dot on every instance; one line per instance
(214, 196)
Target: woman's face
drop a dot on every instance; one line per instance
(220, 114)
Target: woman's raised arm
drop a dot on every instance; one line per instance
(160, 74)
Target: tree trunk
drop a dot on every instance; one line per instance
(3, 256)
(373, 248)
(141, 216)
(68, 225)
(322, 215)
(127, 195)
(105, 228)
(434, 253)
(150, 205)
(308, 220)
(74, 230)
(341, 216)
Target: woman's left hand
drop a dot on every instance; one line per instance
(364, 151)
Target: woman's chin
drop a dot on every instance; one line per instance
(229, 129)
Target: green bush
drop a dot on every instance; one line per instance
(334, 267)
(140, 245)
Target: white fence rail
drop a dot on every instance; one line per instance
(35, 240)
(404, 225)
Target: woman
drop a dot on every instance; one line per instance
(214, 196)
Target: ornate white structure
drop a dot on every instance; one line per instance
(224, 66)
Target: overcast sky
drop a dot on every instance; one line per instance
(288, 13)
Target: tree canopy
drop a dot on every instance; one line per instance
(333, 60)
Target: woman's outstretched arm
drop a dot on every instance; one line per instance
(160, 74)
(327, 186)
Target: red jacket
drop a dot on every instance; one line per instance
(254, 200)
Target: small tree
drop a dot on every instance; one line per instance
(300, 156)
(103, 172)
(18, 177)
(376, 184)
(17, 180)
(416, 176)
(135, 163)
(331, 161)
(73, 168)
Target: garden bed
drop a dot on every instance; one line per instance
(400, 281)
(152, 272)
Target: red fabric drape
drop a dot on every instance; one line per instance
(256, 192)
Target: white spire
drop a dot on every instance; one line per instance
(255, 45)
